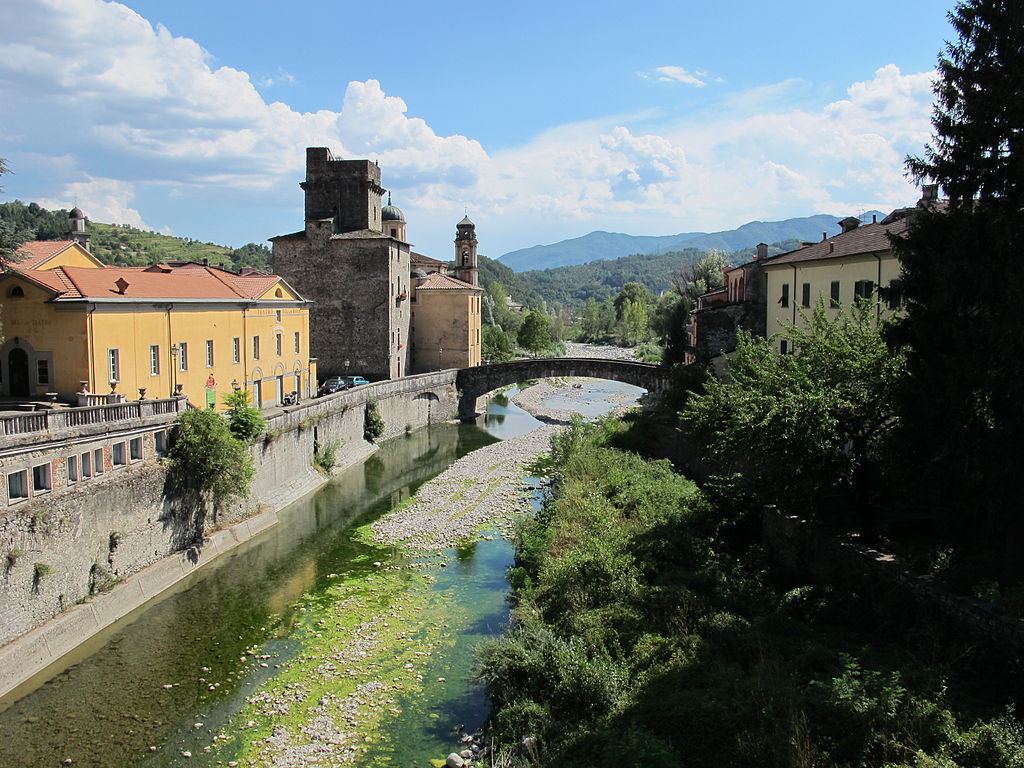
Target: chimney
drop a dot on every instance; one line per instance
(122, 285)
(762, 252)
(824, 236)
(849, 224)
(874, 218)
(929, 193)
(206, 262)
(831, 246)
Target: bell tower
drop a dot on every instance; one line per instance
(465, 252)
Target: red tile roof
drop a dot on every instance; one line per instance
(32, 254)
(437, 281)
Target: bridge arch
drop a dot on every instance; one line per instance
(473, 383)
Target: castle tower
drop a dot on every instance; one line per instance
(76, 227)
(465, 252)
(393, 221)
(346, 191)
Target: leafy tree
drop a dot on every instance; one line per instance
(497, 347)
(700, 277)
(11, 236)
(206, 460)
(668, 323)
(798, 426)
(535, 333)
(962, 404)
(245, 421)
(373, 422)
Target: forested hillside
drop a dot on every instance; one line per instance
(127, 246)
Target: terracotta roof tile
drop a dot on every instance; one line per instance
(437, 281)
(36, 252)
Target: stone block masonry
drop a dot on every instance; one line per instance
(117, 531)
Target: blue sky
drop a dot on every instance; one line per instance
(543, 121)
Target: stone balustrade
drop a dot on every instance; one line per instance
(57, 420)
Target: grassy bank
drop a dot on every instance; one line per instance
(650, 631)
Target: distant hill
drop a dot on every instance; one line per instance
(125, 246)
(611, 245)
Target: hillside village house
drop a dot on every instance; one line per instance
(856, 263)
(72, 324)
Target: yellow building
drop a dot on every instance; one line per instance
(72, 324)
(853, 264)
(446, 315)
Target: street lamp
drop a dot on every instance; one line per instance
(235, 386)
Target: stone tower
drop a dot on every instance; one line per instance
(76, 227)
(347, 191)
(465, 252)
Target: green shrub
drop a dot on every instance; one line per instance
(245, 422)
(206, 459)
(373, 422)
(325, 455)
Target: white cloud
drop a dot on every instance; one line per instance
(674, 74)
(139, 109)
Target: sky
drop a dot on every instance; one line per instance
(540, 120)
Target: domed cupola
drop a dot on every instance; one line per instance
(76, 227)
(393, 220)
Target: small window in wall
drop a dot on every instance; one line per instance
(43, 372)
(894, 294)
(117, 455)
(72, 469)
(41, 480)
(236, 350)
(135, 448)
(863, 289)
(297, 342)
(182, 355)
(277, 315)
(154, 359)
(805, 295)
(255, 347)
(209, 353)
(784, 299)
(87, 464)
(277, 344)
(834, 293)
(17, 292)
(97, 461)
(160, 441)
(17, 485)
(784, 347)
(114, 364)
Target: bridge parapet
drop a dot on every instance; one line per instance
(475, 382)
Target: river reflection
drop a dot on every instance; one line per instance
(140, 682)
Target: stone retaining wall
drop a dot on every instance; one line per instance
(119, 526)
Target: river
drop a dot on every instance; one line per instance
(175, 682)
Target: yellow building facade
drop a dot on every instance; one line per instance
(854, 264)
(73, 325)
(446, 323)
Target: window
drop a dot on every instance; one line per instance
(41, 478)
(255, 347)
(784, 299)
(87, 464)
(209, 353)
(277, 344)
(160, 441)
(117, 455)
(182, 355)
(114, 364)
(277, 315)
(835, 293)
(17, 292)
(784, 346)
(154, 359)
(863, 289)
(17, 485)
(805, 297)
(894, 294)
(135, 448)
(42, 372)
(72, 469)
(236, 350)
(297, 342)
(97, 461)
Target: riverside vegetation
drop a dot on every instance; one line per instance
(650, 630)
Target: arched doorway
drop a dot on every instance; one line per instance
(17, 366)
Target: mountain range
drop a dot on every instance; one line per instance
(613, 245)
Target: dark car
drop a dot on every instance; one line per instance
(332, 385)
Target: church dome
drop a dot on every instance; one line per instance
(76, 213)
(391, 213)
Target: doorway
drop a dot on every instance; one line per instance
(17, 365)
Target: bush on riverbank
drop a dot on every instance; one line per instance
(650, 632)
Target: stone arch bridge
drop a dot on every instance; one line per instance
(473, 383)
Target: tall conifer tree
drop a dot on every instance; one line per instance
(963, 279)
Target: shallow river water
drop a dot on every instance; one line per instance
(155, 686)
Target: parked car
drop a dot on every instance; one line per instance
(332, 385)
(354, 381)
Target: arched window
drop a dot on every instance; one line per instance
(16, 292)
